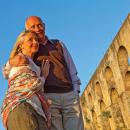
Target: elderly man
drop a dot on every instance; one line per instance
(62, 85)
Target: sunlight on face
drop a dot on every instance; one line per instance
(34, 24)
(30, 44)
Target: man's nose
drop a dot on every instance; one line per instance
(36, 28)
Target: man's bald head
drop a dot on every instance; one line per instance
(30, 19)
(35, 24)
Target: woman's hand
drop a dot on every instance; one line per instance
(45, 68)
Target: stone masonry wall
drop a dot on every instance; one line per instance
(106, 99)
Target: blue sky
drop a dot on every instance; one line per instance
(87, 27)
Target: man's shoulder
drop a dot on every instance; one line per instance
(54, 41)
(57, 42)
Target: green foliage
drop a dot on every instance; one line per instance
(88, 120)
(106, 114)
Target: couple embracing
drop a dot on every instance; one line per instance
(43, 86)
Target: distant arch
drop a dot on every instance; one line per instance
(98, 90)
(94, 117)
(108, 73)
(115, 108)
(127, 81)
(102, 106)
(114, 95)
(90, 98)
(105, 123)
(109, 77)
(122, 56)
(83, 100)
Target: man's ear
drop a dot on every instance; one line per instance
(26, 27)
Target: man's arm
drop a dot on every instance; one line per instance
(72, 68)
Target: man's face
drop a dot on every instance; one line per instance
(35, 25)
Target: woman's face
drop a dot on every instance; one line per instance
(30, 44)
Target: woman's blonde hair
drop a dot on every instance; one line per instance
(17, 46)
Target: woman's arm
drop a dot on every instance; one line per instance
(6, 70)
(18, 60)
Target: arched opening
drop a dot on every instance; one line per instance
(83, 101)
(114, 96)
(94, 120)
(94, 116)
(90, 98)
(127, 81)
(116, 110)
(109, 77)
(108, 73)
(122, 56)
(105, 122)
(102, 106)
(98, 90)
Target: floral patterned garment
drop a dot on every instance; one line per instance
(22, 86)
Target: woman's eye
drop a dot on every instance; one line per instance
(30, 39)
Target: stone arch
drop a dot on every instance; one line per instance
(94, 117)
(122, 57)
(83, 101)
(127, 81)
(84, 105)
(113, 95)
(102, 106)
(108, 74)
(104, 123)
(90, 98)
(98, 90)
(116, 110)
(109, 77)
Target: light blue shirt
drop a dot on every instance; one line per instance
(72, 68)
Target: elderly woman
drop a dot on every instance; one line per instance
(24, 106)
